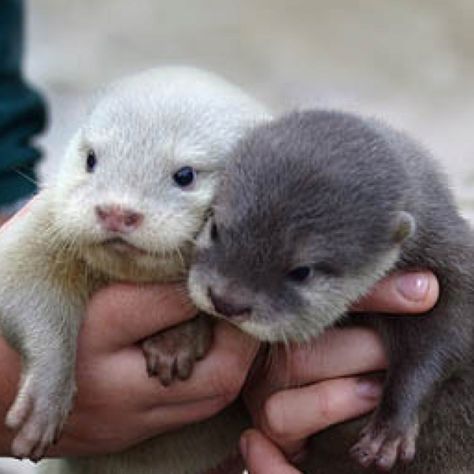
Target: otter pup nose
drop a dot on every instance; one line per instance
(118, 219)
(227, 307)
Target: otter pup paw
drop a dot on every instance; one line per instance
(171, 354)
(39, 417)
(383, 444)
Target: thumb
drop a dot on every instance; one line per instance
(402, 292)
(123, 314)
(262, 456)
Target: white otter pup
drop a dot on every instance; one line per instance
(131, 194)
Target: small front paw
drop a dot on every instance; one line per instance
(383, 444)
(38, 417)
(172, 353)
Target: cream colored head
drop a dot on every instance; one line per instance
(117, 195)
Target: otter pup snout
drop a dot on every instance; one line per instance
(117, 219)
(228, 306)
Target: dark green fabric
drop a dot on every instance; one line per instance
(22, 110)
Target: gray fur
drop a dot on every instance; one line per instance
(353, 199)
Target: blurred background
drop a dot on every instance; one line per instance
(411, 63)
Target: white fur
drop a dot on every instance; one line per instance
(142, 130)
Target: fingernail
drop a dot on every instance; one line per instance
(369, 387)
(413, 286)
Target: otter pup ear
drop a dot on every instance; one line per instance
(404, 227)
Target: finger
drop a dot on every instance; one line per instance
(148, 422)
(127, 377)
(220, 375)
(262, 456)
(336, 353)
(162, 419)
(225, 368)
(402, 293)
(123, 314)
(292, 415)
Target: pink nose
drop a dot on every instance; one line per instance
(118, 219)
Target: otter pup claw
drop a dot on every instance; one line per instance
(382, 445)
(37, 419)
(171, 354)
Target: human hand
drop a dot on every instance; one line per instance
(325, 382)
(9, 216)
(117, 404)
(3, 218)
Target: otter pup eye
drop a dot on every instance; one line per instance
(299, 274)
(184, 176)
(91, 161)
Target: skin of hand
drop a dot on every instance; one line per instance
(309, 388)
(117, 404)
(112, 379)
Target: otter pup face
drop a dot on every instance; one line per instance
(303, 225)
(139, 176)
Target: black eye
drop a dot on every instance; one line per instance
(299, 274)
(184, 176)
(214, 233)
(91, 161)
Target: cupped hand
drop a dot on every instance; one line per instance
(326, 378)
(117, 405)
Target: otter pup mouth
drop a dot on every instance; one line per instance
(121, 246)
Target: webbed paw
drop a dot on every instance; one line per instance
(172, 353)
(38, 417)
(383, 443)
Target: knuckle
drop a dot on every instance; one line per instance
(300, 359)
(218, 404)
(323, 406)
(275, 417)
(104, 300)
(229, 378)
(228, 390)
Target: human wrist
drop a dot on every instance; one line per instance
(8, 209)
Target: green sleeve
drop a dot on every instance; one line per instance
(22, 110)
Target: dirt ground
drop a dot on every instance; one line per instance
(411, 63)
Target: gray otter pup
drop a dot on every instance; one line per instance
(132, 192)
(315, 208)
